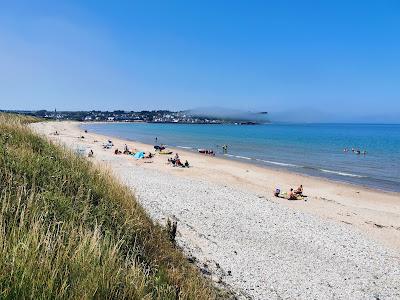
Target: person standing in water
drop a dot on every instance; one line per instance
(225, 149)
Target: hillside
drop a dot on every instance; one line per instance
(69, 230)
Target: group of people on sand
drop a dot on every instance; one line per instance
(140, 154)
(126, 151)
(108, 145)
(292, 194)
(355, 151)
(176, 162)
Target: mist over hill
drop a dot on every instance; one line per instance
(230, 114)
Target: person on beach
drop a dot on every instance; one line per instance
(159, 148)
(277, 192)
(292, 195)
(299, 190)
(178, 162)
(90, 154)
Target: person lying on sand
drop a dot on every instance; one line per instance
(150, 155)
(299, 190)
(289, 195)
(117, 151)
(178, 163)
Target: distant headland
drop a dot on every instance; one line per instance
(153, 116)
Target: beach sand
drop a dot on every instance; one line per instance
(342, 243)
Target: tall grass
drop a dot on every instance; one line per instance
(69, 230)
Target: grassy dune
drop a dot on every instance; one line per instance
(69, 230)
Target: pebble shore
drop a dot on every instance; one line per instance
(248, 243)
(262, 250)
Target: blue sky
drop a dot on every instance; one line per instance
(333, 57)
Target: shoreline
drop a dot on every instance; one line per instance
(344, 241)
(248, 161)
(374, 212)
(302, 166)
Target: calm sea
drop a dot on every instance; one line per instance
(312, 149)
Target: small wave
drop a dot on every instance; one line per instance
(277, 163)
(238, 156)
(184, 147)
(342, 173)
(293, 165)
(243, 157)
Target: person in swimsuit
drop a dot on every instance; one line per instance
(299, 190)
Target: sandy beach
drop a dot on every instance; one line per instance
(342, 243)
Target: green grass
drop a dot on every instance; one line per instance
(69, 230)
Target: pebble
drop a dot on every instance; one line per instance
(303, 256)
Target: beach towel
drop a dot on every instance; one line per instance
(286, 196)
(139, 155)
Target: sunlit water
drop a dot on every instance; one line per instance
(313, 149)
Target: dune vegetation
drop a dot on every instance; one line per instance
(70, 230)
